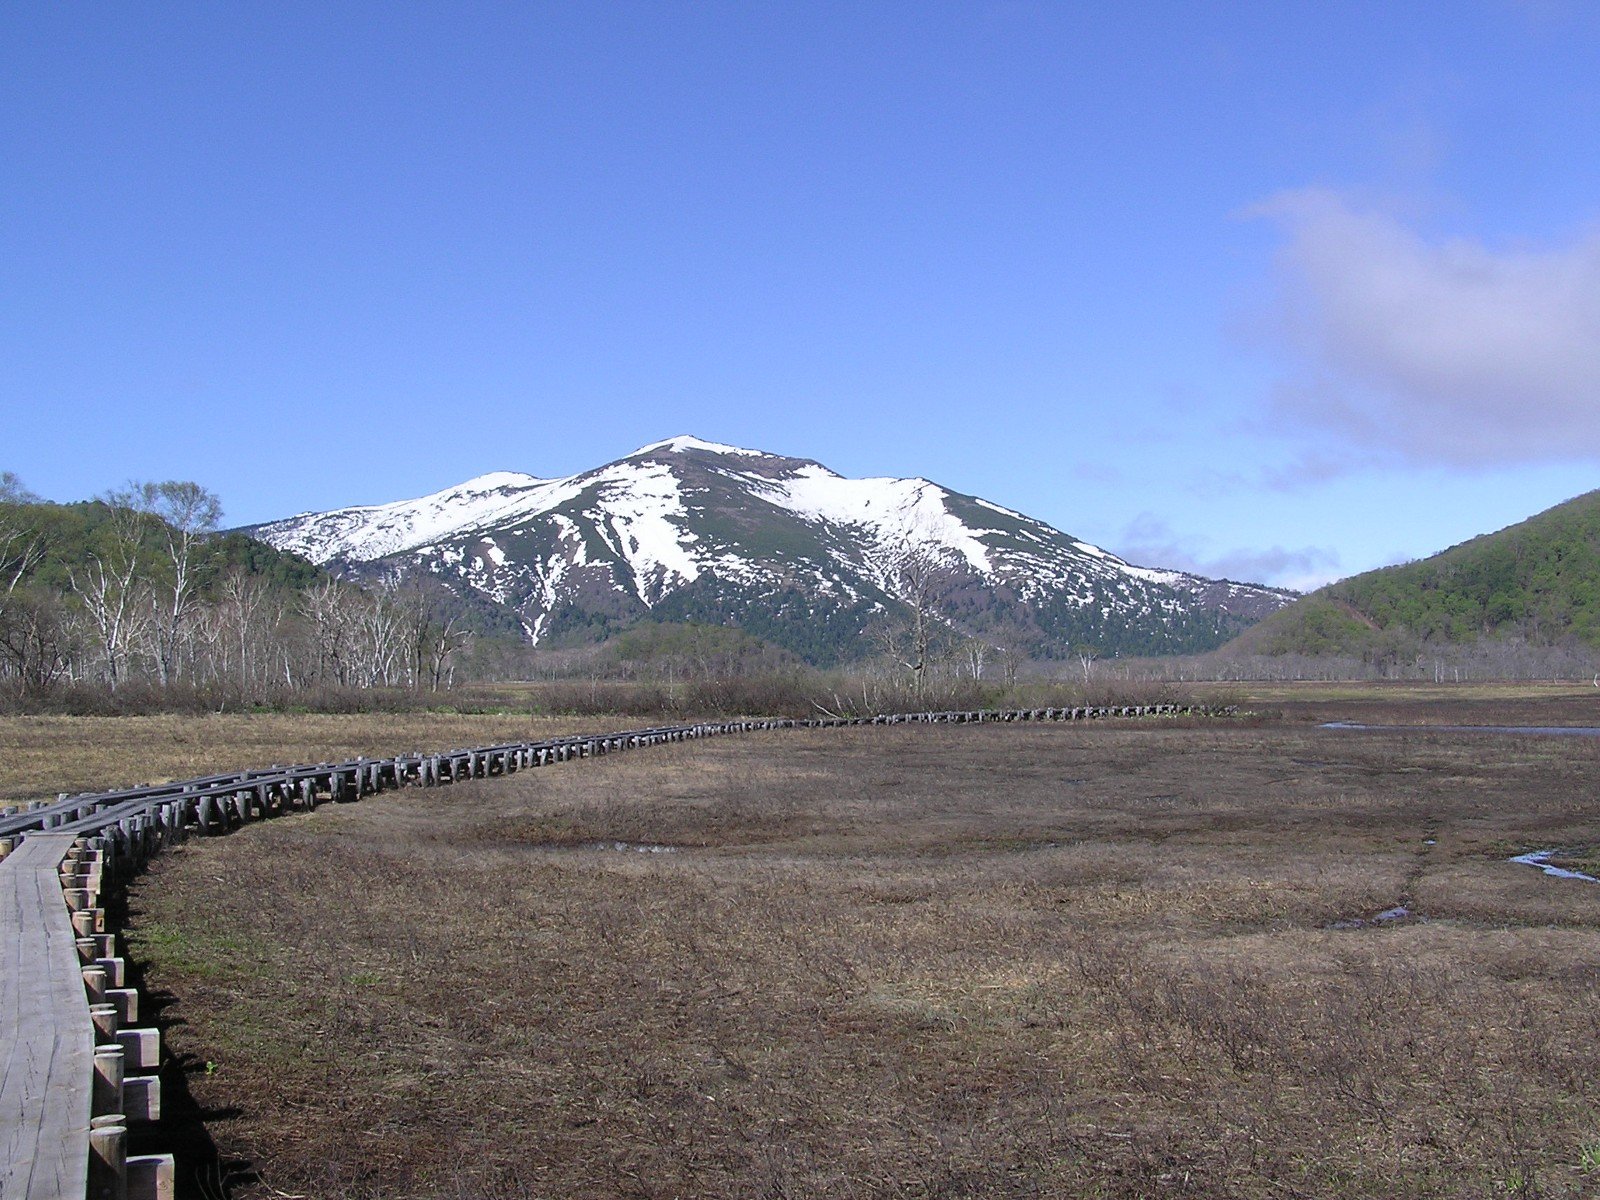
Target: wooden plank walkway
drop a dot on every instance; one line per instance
(48, 1066)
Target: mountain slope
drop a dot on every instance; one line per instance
(783, 547)
(1538, 580)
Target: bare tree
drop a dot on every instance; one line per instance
(430, 636)
(327, 610)
(13, 492)
(911, 573)
(447, 640)
(976, 651)
(188, 514)
(241, 607)
(37, 639)
(109, 583)
(1011, 642)
(21, 548)
(380, 625)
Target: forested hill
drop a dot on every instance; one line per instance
(139, 590)
(67, 537)
(1538, 580)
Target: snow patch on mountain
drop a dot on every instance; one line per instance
(688, 442)
(899, 512)
(377, 531)
(636, 516)
(680, 510)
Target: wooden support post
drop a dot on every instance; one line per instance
(106, 1098)
(94, 982)
(126, 1001)
(141, 1098)
(104, 1019)
(151, 1177)
(108, 1158)
(142, 1048)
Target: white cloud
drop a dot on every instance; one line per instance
(1443, 351)
(1150, 541)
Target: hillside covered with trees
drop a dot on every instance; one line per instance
(1534, 584)
(137, 590)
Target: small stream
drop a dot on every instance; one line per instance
(608, 847)
(1538, 730)
(1541, 859)
(1534, 858)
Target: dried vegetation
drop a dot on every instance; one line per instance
(43, 755)
(910, 962)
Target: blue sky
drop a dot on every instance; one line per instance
(1282, 291)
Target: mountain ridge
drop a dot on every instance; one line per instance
(685, 528)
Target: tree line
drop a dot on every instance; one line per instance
(138, 589)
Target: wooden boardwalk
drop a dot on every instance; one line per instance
(63, 1110)
(48, 1057)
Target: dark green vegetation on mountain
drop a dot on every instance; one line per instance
(823, 567)
(72, 536)
(1534, 583)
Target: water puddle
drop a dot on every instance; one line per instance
(1398, 913)
(1541, 859)
(605, 847)
(1539, 730)
(631, 847)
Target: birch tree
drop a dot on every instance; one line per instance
(188, 514)
(109, 583)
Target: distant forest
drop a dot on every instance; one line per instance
(137, 590)
(1517, 602)
(136, 599)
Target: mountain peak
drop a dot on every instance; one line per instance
(686, 442)
(495, 481)
(688, 529)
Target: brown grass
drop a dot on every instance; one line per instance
(1002, 961)
(1414, 703)
(42, 756)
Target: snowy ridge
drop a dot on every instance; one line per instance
(892, 511)
(375, 531)
(684, 442)
(699, 525)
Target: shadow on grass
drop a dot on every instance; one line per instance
(202, 1173)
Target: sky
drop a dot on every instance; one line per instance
(1277, 291)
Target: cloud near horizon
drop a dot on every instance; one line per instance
(1445, 352)
(1149, 541)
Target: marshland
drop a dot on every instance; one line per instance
(1117, 959)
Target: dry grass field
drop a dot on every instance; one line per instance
(1413, 703)
(1121, 960)
(42, 756)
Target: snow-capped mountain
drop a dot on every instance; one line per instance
(692, 530)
